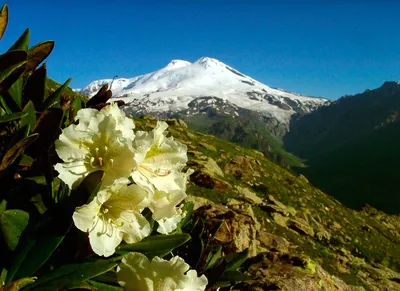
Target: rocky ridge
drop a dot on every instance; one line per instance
(298, 237)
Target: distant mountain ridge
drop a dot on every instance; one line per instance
(352, 147)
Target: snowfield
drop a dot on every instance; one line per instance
(173, 87)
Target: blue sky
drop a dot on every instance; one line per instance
(321, 48)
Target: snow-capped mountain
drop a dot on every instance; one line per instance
(184, 89)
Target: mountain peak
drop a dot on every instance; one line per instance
(178, 64)
(208, 62)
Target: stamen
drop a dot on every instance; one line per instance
(100, 161)
(157, 172)
(97, 151)
(91, 162)
(105, 148)
(112, 162)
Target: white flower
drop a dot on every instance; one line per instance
(114, 215)
(168, 225)
(160, 160)
(165, 211)
(102, 140)
(136, 272)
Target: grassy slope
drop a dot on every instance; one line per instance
(365, 235)
(250, 134)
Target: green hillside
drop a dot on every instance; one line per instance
(299, 237)
(351, 148)
(248, 132)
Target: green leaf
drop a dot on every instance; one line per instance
(38, 53)
(213, 257)
(3, 19)
(74, 273)
(188, 209)
(30, 117)
(157, 245)
(104, 287)
(3, 206)
(3, 276)
(12, 116)
(23, 42)
(15, 91)
(55, 97)
(17, 150)
(19, 284)
(12, 223)
(237, 260)
(35, 88)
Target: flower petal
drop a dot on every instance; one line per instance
(104, 238)
(73, 173)
(86, 216)
(193, 283)
(168, 225)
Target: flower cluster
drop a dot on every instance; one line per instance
(136, 272)
(142, 170)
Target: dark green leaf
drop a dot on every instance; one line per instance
(38, 255)
(38, 53)
(74, 272)
(12, 223)
(30, 117)
(12, 66)
(21, 253)
(55, 97)
(101, 97)
(104, 287)
(35, 88)
(3, 19)
(12, 116)
(157, 245)
(17, 150)
(91, 184)
(23, 42)
(47, 126)
(234, 276)
(71, 285)
(237, 260)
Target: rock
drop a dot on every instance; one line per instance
(300, 226)
(237, 230)
(198, 201)
(248, 196)
(280, 219)
(178, 123)
(274, 205)
(275, 271)
(208, 146)
(273, 242)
